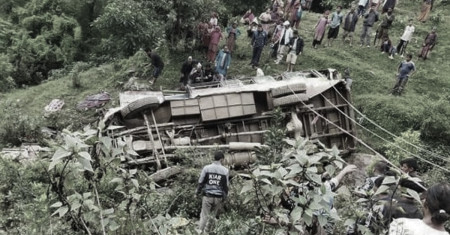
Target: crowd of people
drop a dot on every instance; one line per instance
(393, 210)
(278, 29)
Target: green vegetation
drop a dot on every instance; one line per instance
(59, 49)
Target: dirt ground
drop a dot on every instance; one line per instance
(362, 161)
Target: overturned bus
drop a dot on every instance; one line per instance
(234, 114)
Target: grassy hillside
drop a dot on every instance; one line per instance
(373, 75)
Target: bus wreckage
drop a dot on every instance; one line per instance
(233, 115)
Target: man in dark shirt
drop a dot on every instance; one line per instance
(369, 19)
(158, 64)
(386, 23)
(259, 39)
(186, 69)
(349, 25)
(209, 74)
(410, 167)
(213, 183)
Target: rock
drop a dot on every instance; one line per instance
(136, 84)
(362, 161)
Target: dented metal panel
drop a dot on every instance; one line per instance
(226, 106)
(184, 107)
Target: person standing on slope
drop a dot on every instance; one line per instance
(213, 185)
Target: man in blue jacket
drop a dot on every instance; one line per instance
(259, 40)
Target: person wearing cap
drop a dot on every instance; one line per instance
(295, 49)
(259, 40)
(336, 20)
(283, 41)
(319, 29)
(213, 185)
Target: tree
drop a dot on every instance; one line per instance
(45, 39)
(125, 26)
(6, 69)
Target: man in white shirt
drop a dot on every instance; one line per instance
(283, 42)
(405, 38)
(295, 49)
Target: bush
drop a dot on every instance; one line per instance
(6, 69)
(23, 199)
(436, 125)
(17, 128)
(395, 150)
(76, 70)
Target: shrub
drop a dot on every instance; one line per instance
(6, 69)
(395, 150)
(76, 70)
(17, 128)
(436, 126)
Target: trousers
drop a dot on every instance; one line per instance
(256, 55)
(210, 207)
(365, 34)
(399, 86)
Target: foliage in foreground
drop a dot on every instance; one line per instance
(85, 189)
(301, 167)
